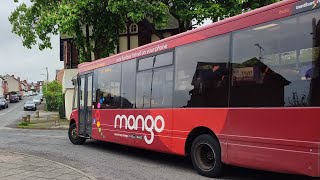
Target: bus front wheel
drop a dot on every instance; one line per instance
(73, 136)
(206, 156)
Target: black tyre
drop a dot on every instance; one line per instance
(206, 156)
(73, 136)
(24, 109)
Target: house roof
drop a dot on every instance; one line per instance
(12, 76)
(172, 24)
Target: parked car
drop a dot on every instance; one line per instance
(14, 98)
(40, 96)
(30, 105)
(4, 103)
(19, 95)
(37, 100)
(30, 93)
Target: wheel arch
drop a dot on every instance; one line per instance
(195, 133)
(72, 121)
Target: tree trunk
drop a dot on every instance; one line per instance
(88, 51)
(181, 26)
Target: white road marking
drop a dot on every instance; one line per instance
(15, 108)
(6, 112)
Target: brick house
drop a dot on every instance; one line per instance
(38, 86)
(14, 84)
(3, 87)
(24, 86)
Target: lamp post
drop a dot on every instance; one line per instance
(47, 80)
(47, 77)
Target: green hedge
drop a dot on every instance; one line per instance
(53, 95)
(53, 101)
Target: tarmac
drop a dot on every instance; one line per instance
(18, 166)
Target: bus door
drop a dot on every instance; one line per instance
(85, 105)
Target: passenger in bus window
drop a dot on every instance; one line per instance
(108, 100)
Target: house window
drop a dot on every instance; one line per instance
(133, 28)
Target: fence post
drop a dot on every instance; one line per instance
(28, 118)
(24, 119)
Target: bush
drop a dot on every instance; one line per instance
(53, 95)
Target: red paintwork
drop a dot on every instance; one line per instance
(275, 139)
(75, 116)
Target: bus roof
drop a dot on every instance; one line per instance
(271, 12)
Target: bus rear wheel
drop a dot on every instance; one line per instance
(206, 156)
(73, 136)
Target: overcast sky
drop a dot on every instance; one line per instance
(15, 59)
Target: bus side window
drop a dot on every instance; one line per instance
(276, 64)
(202, 73)
(108, 87)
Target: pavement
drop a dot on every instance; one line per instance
(49, 120)
(18, 166)
(46, 120)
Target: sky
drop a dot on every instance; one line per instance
(28, 64)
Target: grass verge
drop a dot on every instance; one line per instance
(25, 124)
(45, 123)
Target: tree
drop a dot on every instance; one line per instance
(95, 24)
(87, 21)
(187, 10)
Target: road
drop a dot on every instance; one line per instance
(106, 160)
(13, 113)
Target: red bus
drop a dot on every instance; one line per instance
(244, 91)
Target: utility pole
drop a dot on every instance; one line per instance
(47, 79)
(47, 74)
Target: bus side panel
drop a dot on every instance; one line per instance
(151, 139)
(281, 139)
(75, 116)
(186, 120)
(273, 158)
(103, 126)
